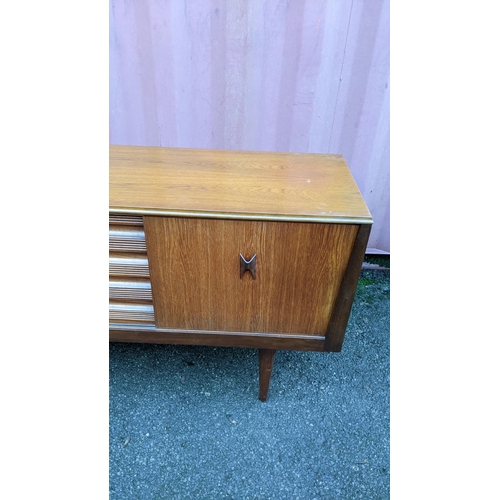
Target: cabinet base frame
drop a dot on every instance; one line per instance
(153, 335)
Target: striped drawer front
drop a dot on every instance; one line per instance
(124, 313)
(133, 290)
(130, 295)
(126, 239)
(125, 220)
(127, 265)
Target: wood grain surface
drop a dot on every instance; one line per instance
(195, 273)
(234, 184)
(343, 303)
(266, 360)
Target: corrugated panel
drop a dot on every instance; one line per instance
(263, 75)
(124, 239)
(128, 265)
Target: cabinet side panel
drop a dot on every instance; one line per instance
(343, 304)
(195, 274)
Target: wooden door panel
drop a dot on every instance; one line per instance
(195, 273)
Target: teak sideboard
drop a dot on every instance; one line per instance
(233, 248)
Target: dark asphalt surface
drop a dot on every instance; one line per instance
(186, 422)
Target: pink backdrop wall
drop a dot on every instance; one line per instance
(296, 75)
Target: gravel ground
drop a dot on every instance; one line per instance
(186, 422)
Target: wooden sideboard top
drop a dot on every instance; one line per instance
(234, 185)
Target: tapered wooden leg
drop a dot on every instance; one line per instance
(266, 360)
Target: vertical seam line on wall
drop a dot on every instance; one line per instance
(340, 78)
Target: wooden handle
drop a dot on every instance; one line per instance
(248, 265)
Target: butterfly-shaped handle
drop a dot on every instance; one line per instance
(248, 265)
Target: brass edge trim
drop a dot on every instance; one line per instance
(244, 216)
(152, 328)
